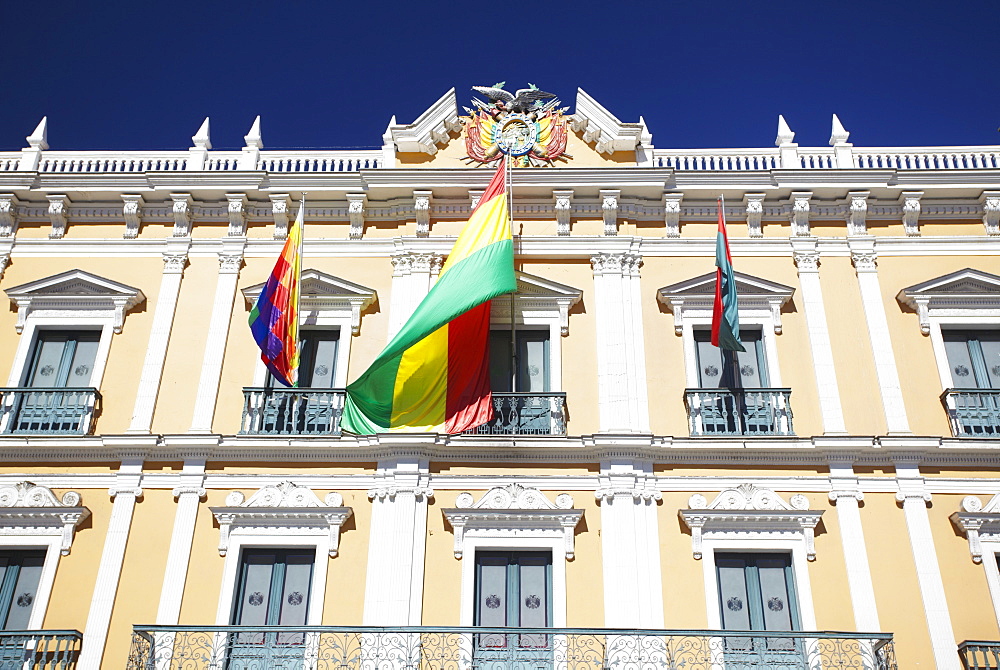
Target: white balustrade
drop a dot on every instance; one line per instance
(722, 160)
(824, 158)
(319, 161)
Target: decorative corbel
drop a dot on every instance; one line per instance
(677, 307)
(238, 203)
(911, 212)
(4, 262)
(132, 211)
(183, 209)
(564, 209)
(356, 213)
(356, 305)
(672, 213)
(775, 305)
(991, 211)
(279, 210)
(857, 212)
(754, 203)
(800, 213)
(609, 208)
(422, 212)
(923, 313)
(8, 214)
(121, 305)
(58, 210)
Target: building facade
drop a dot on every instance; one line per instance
(841, 475)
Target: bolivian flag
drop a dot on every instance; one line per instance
(434, 375)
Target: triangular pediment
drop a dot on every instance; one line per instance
(967, 283)
(76, 283)
(316, 285)
(533, 286)
(748, 288)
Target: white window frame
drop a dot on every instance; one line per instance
(981, 525)
(37, 323)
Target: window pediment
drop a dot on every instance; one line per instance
(978, 523)
(538, 298)
(694, 297)
(512, 510)
(74, 291)
(966, 292)
(277, 509)
(324, 293)
(748, 508)
(27, 509)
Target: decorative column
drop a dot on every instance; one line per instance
(864, 258)
(413, 274)
(125, 492)
(914, 496)
(174, 260)
(623, 404)
(189, 494)
(845, 494)
(633, 590)
(230, 261)
(806, 257)
(395, 581)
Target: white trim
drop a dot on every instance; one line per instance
(38, 321)
(845, 494)
(189, 494)
(992, 549)
(981, 525)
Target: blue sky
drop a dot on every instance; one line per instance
(143, 75)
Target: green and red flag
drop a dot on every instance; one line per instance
(725, 312)
(434, 374)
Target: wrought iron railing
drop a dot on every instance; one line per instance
(980, 654)
(292, 411)
(739, 411)
(973, 411)
(40, 649)
(526, 414)
(48, 411)
(427, 648)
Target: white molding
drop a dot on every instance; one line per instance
(356, 214)
(672, 213)
(798, 214)
(30, 510)
(431, 128)
(610, 207)
(58, 211)
(132, 213)
(754, 204)
(513, 510)
(279, 210)
(182, 209)
(9, 215)
(966, 296)
(910, 203)
(324, 296)
(981, 526)
(563, 205)
(991, 211)
(238, 204)
(422, 211)
(609, 135)
(750, 509)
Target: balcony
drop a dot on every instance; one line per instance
(48, 411)
(980, 655)
(292, 411)
(746, 412)
(40, 649)
(458, 648)
(525, 414)
(973, 412)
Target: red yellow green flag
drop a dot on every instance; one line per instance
(434, 375)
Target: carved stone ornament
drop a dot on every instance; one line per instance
(279, 210)
(132, 211)
(799, 215)
(4, 262)
(510, 511)
(237, 209)
(609, 209)
(864, 261)
(965, 293)
(991, 211)
(857, 212)
(356, 214)
(27, 509)
(230, 263)
(8, 214)
(750, 509)
(672, 213)
(806, 261)
(694, 298)
(978, 523)
(911, 212)
(182, 210)
(755, 212)
(75, 291)
(422, 212)
(282, 509)
(325, 296)
(58, 211)
(564, 210)
(174, 263)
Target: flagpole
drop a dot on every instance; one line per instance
(508, 178)
(298, 283)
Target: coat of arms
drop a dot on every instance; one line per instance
(529, 126)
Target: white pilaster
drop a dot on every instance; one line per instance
(845, 494)
(413, 274)
(806, 257)
(623, 404)
(914, 496)
(230, 260)
(864, 258)
(188, 494)
(125, 491)
(395, 580)
(633, 593)
(174, 260)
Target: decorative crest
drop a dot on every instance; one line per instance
(528, 125)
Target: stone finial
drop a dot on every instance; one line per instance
(202, 139)
(40, 138)
(838, 135)
(253, 139)
(785, 134)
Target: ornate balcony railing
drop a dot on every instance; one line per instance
(739, 411)
(973, 412)
(40, 649)
(980, 654)
(48, 411)
(526, 414)
(427, 648)
(292, 411)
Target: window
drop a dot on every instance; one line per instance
(524, 370)
(732, 369)
(20, 571)
(756, 592)
(513, 588)
(973, 357)
(318, 358)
